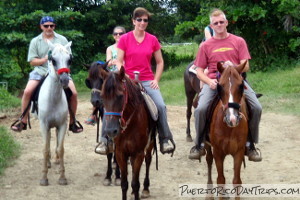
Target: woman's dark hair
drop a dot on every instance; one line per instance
(139, 11)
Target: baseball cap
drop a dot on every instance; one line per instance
(47, 19)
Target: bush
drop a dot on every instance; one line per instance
(9, 149)
(7, 100)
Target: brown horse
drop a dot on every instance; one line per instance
(129, 123)
(229, 124)
(95, 82)
(192, 89)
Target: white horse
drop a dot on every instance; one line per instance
(53, 106)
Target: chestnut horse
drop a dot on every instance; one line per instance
(192, 90)
(95, 82)
(129, 123)
(229, 124)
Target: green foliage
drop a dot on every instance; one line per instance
(280, 88)
(271, 28)
(9, 149)
(7, 100)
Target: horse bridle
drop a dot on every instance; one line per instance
(123, 123)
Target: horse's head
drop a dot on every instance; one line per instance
(95, 82)
(115, 96)
(230, 90)
(60, 59)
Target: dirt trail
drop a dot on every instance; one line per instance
(85, 170)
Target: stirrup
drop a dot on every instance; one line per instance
(20, 126)
(75, 127)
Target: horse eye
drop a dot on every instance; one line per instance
(54, 62)
(70, 61)
(88, 83)
(241, 87)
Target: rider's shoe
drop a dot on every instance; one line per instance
(196, 152)
(253, 155)
(101, 148)
(166, 148)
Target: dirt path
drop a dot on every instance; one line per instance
(85, 170)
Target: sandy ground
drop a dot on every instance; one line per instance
(85, 170)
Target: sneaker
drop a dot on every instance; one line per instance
(196, 152)
(253, 155)
(166, 148)
(101, 148)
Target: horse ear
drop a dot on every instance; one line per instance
(240, 68)
(122, 73)
(105, 65)
(51, 45)
(68, 46)
(103, 74)
(220, 67)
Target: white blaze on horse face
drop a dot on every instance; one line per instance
(231, 110)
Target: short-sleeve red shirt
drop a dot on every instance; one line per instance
(212, 51)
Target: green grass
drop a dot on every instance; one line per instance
(280, 89)
(9, 149)
(7, 100)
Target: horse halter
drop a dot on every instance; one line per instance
(122, 121)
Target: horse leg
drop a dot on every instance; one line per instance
(117, 172)
(136, 163)
(190, 96)
(238, 160)
(148, 159)
(107, 180)
(219, 160)
(45, 132)
(122, 162)
(209, 161)
(60, 152)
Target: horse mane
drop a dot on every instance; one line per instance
(94, 71)
(112, 89)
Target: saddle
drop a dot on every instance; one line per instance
(150, 103)
(33, 103)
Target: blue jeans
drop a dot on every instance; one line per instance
(205, 99)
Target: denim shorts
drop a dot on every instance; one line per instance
(34, 75)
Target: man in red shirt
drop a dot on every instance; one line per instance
(223, 46)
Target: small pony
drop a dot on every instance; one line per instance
(229, 124)
(53, 106)
(95, 82)
(129, 124)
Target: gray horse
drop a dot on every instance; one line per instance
(53, 107)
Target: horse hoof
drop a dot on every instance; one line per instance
(62, 181)
(145, 194)
(44, 182)
(189, 138)
(117, 182)
(49, 164)
(107, 182)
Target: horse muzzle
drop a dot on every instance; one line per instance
(232, 120)
(64, 80)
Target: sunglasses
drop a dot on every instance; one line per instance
(219, 22)
(121, 33)
(140, 19)
(47, 26)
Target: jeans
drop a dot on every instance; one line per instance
(205, 99)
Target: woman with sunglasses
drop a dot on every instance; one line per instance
(135, 50)
(111, 56)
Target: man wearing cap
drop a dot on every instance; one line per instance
(38, 58)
